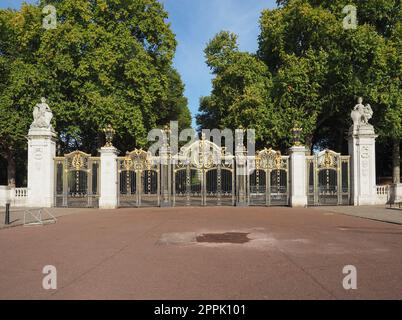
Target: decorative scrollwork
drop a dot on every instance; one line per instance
(269, 159)
(327, 160)
(127, 163)
(77, 161)
(203, 154)
(137, 160)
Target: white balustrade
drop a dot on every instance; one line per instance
(383, 194)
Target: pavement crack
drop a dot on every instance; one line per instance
(294, 263)
(110, 257)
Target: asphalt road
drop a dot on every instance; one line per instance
(154, 254)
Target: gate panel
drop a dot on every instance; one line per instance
(139, 180)
(219, 187)
(345, 180)
(258, 188)
(203, 175)
(311, 169)
(328, 177)
(188, 186)
(328, 187)
(213, 187)
(196, 187)
(77, 188)
(77, 176)
(60, 199)
(268, 181)
(128, 189)
(227, 194)
(181, 188)
(279, 195)
(149, 195)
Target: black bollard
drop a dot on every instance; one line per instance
(7, 220)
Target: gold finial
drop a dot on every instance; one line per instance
(296, 134)
(109, 134)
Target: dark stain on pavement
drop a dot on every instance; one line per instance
(228, 237)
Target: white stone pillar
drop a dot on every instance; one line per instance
(241, 178)
(362, 160)
(108, 178)
(298, 179)
(241, 169)
(165, 178)
(41, 153)
(4, 195)
(395, 193)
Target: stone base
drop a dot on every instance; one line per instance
(298, 190)
(361, 143)
(107, 205)
(40, 202)
(366, 201)
(4, 195)
(241, 204)
(166, 204)
(298, 202)
(108, 176)
(41, 153)
(42, 133)
(396, 193)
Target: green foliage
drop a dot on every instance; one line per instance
(314, 71)
(20, 77)
(106, 62)
(240, 95)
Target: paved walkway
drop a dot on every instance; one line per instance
(380, 213)
(17, 215)
(157, 253)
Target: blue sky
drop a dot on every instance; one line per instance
(195, 22)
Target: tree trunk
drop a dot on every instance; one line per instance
(341, 138)
(309, 144)
(396, 161)
(11, 169)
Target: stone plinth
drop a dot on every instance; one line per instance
(109, 179)
(241, 177)
(165, 176)
(298, 183)
(4, 195)
(396, 193)
(41, 180)
(363, 171)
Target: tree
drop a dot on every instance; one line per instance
(349, 63)
(20, 80)
(314, 71)
(369, 59)
(105, 62)
(241, 87)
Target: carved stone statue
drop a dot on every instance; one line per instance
(42, 116)
(361, 114)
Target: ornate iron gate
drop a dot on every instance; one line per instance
(328, 175)
(268, 182)
(138, 180)
(203, 174)
(76, 180)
